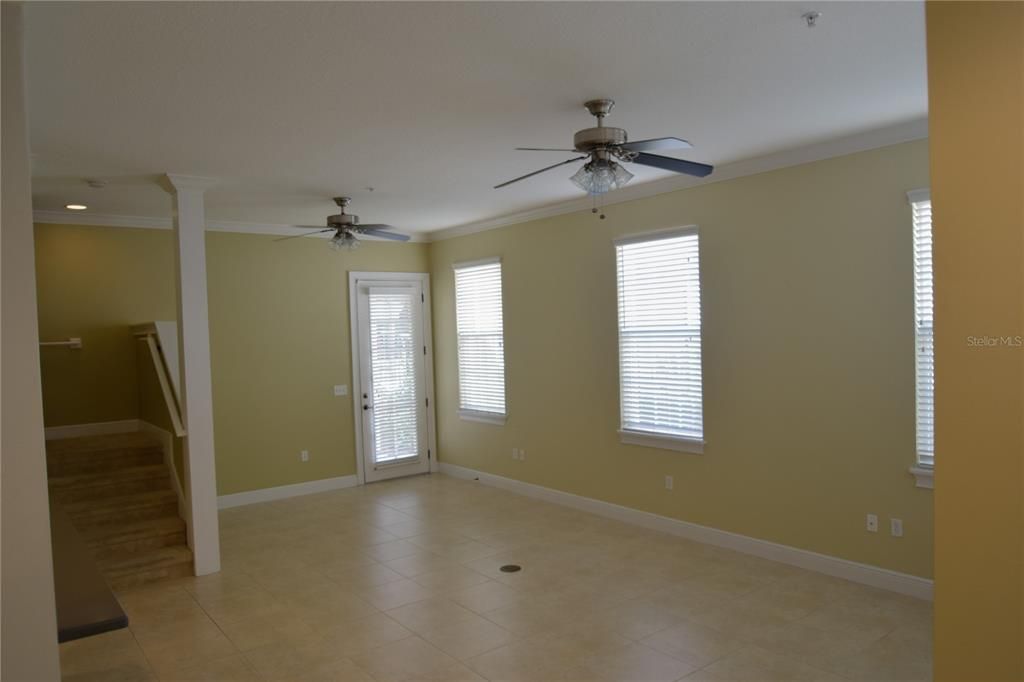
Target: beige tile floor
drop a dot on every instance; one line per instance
(400, 581)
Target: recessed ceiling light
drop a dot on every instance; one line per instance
(75, 207)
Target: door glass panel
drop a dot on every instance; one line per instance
(393, 356)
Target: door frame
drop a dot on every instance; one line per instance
(355, 279)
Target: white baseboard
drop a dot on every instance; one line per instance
(874, 576)
(166, 439)
(282, 491)
(95, 429)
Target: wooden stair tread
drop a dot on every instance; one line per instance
(121, 502)
(146, 561)
(112, 441)
(89, 480)
(133, 530)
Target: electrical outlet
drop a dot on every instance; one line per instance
(341, 389)
(896, 528)
(522, 454)
(515, 453)
(304, 455)
(872, 525)
(669, 482)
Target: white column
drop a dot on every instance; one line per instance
(194, 351)
(28, 622)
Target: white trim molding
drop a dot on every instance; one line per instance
(284, 491)
(423, 278)
(483, 417)
(924, 477)
(916, 195)
(851, 144)
(159, 223)
(661, 441)
(860, 142)
(865, 574)
(94, 429)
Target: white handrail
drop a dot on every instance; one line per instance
(165, 384)
(73, 342)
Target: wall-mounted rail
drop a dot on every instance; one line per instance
(162, 340)
(74, 342)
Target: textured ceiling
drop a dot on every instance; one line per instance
(292, 103)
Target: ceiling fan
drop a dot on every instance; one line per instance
(602, 145)
(347, 229)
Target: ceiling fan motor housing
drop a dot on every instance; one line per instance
(342, 220)
(601, 137)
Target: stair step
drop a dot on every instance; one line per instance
(115, 539)
(145, 567)
(102, 461)
(110, 441)
(79, 487)
(96, 454)
(87, 514)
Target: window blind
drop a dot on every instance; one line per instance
(393, 349)
(660, 335)
(924, 331)
(481, 341)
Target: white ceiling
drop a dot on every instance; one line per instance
(292, 103)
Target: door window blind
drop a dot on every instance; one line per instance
(660, 335)
(924, 332)
(393, 357)
(481, 341)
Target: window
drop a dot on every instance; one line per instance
(481, 342)
(924, 328)
(659, 340)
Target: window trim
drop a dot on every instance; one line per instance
(662, 441)
(483, 417)
(466, 414)
(652, 439)
(923, 472)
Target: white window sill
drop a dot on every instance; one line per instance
(483, 417)
(661, 441)
(924, 477)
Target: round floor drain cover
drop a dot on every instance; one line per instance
(510, 568)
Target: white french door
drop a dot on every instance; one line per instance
(392, 393)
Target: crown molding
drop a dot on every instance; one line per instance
(851, 144)
(175, 182)
(155, 223)
(860, 142)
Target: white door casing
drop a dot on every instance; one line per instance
(392, 375)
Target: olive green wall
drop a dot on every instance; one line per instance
(808, 358)
(95, 283)
(808, 351)
(279, 337)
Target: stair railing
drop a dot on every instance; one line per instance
(157, 336)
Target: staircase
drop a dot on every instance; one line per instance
(119, 495)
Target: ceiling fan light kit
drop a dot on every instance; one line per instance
(604, 146)
(347, 229)
(601, 176)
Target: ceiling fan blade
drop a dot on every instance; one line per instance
(297, 236)
(374, 231)
(542, 149)
(537, 172)
(675, 165)
(657, 144)
(375, 226)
